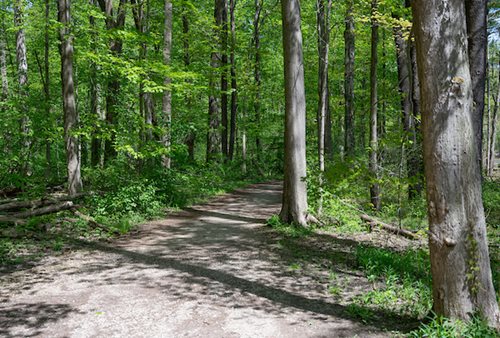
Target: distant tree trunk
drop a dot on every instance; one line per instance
(46, 87)
(486, 155)
(69, 104)
(213, 142)
(476, 13)
(405, 86)
(22, 68)
(223, 81)
(323, 14)
(3, 65)
(294, 207)
(113, 89)
(415, 163)
(493, 130)
(374, 187)
(96, 158)
(460, 264)
(167, 94)
(190, 139)
(349, 141)
(234, 85)
(257, 78)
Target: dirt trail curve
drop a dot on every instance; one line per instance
(207, 271)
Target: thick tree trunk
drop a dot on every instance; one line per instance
(69, 104)
(167, 94)
(213, 141)
(257, 78)
(323, 14)
(460, 265)
(223, 81)
(234, 85)
(476, 13)
(349, 141)
(22, 69)
(294, 207)
(373, 163)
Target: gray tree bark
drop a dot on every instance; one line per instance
(223, 81)
(167, 94)
(294, 206)
(349, 37)
(214, 112)
(234, 84)
(69, 104)
(460, 265)
(373, 161)
(323, 29)
(493, 131)
(3, 62)
(22, 69)
(476, 13)
(257, 76)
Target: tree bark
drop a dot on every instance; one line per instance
(373, 163)
(323, 15)
(190, 139)
(213, 141)
(460, 264)
(257, 76)
(493, 130)
(223, 80)
(349, 38)
(22, 68)
(3, 64)
(69, 104)
(113, 90)
(167, 94)
(294, 206)
(234, 85)
(476, 13)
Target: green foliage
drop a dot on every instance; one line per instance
(288, 230)
(441, 327)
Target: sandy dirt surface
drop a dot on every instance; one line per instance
(212, 270)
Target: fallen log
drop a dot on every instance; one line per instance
(390, 228)
(44, 210)
(12, 220)
(16, 205)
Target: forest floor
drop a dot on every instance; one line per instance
(211, 270)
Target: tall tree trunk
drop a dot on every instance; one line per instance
(213, 142)
(476, 13)
(486, 155)
(234, 85)
(374, 187)
(190, 139)
(223, 81)
(349, 141)
(96, 157)
(46, 87)
(493, 130)
(416, 161)
(113, 90)
(69, 104)
(3, 66)
(405, 86)
(294, 206)
(257, 78)
(167, 94)
(460, 264)
(323, 14)
(22, 69)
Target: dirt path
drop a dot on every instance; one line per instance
(213, 270)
